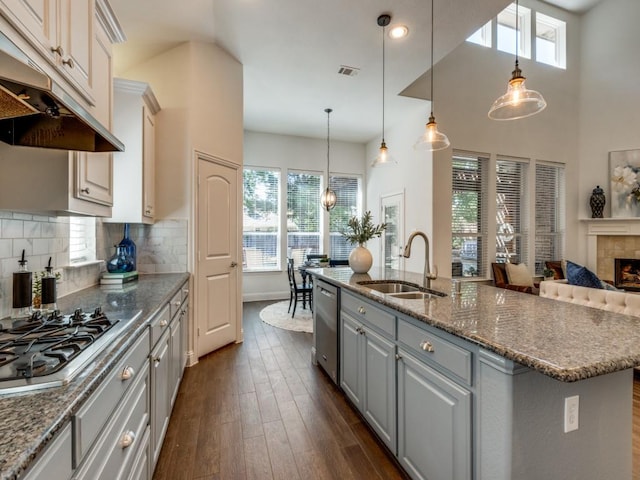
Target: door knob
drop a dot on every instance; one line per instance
(234, 264)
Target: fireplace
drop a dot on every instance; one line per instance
(627, 274)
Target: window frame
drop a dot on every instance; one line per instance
(519, 230)
(315, 200)
(558, 228)
(276, 264)
(481, 234)
(524, 31)
(560, 44)
(329, 243)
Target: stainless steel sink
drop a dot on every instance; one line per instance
(414, 295)
(390, 287)
(399, 289)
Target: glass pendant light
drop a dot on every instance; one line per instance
(383, 158)
(518, 102)
(432, 140)
(328, 198)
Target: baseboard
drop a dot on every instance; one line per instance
(259, 297)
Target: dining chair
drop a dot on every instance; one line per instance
(297, 290)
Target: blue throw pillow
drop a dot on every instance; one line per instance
(582, 276)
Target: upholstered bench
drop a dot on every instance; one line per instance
(618, 302)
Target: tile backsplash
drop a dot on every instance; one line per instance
(161, 248)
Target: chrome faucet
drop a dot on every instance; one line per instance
(428, 276)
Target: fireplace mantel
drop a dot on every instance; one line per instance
(606, 226)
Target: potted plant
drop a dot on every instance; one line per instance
(548, 274)
(359, 232)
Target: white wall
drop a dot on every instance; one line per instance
(412, 175)
(609, 93)
(299, 153)
(466, 83)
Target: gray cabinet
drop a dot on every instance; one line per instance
(368, 373)
(55, 462)
(167, 361)
(434, 422)
(419, 400)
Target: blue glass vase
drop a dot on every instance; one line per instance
(129, 245)
(120, 262)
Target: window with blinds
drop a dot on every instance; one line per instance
(261, 219)
(550, 218)
(511, 211)
(349, 203)
(82, 239)
(468, 215)
(303, 215)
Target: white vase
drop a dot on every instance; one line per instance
(360, 259)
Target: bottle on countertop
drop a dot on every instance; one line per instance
(49, 293)
(22, 290)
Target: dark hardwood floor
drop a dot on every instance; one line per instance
(261, 410)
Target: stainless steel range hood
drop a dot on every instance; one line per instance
(35, 111)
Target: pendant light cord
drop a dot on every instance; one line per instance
(383, 29)
(517, 32)
(432, 1)
(328, 110)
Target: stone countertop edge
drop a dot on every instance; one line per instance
(30, 420)
(561, 340)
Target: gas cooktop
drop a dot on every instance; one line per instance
(45, 351)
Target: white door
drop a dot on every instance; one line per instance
(392, 213)
(217, 315)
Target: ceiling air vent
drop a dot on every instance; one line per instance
(348, 71)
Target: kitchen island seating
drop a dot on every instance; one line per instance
(297, 290)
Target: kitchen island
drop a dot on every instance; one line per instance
(495, 367)
(32, 420)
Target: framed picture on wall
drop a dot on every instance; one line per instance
(624, 174)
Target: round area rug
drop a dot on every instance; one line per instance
(276, 314)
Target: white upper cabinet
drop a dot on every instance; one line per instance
(62, 31)
(134, 123)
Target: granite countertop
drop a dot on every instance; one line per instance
(31, 419)
(564, 341)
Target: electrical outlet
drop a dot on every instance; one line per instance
(571, 413)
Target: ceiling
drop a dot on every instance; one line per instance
(291, 51)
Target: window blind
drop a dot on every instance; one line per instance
(550, 216)
(303, 215)
(261, 219)
(468, 215)
(82, 239)
(511, 211)
(349, 203)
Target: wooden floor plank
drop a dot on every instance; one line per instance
(256, 458)
(283, 464)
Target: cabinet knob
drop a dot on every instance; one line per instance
(58, 50)
(426, 346)
(68, 62)
(361, 310)
(85, 190)
(156, 361)
(177, 303)
(127, 373)
(398, 356)
(147, 211)
(163, 323)
(127, 439)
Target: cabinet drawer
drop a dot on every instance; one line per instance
(91, 417)
(114, 453)
(367, 312)
(428, 346)
(159, 324)
(175, 303)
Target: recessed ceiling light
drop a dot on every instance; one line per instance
(398, 31)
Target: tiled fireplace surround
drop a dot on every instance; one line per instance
(608, 239)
